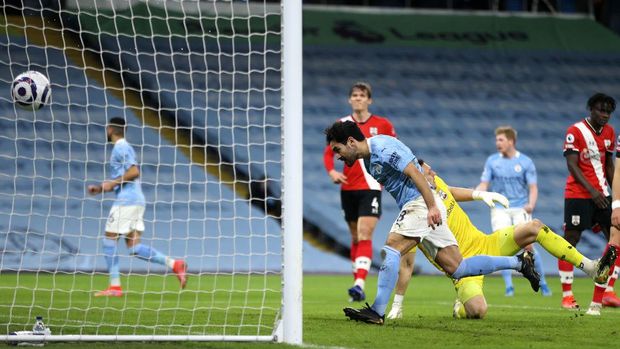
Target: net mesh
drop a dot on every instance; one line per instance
(199, 86)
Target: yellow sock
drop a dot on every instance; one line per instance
(558, 247)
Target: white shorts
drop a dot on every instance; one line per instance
(502, 218)
(412, 222)
(125, 219)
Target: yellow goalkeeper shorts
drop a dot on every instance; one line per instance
(469, 287)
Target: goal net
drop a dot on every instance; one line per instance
(200, 86)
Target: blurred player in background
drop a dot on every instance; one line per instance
(360, 194)
(512, 174)
(470, 302)
(393, 164)
(126, 215)
(588, 149)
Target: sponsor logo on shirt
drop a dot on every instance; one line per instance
(378, 169)
(394, 159)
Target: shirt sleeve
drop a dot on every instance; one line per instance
(128, 158)
(328, 158)
(572, 142)
(530, 173)
(611, 146)
(487, 172)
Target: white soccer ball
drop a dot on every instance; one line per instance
(31, 90)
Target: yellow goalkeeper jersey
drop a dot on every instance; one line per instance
(469, 238)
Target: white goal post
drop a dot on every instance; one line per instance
(211, 92)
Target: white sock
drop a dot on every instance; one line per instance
(170, 262)
(115, 282)
(588, 266)
(360, 282)
(398, 300)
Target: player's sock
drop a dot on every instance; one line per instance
(597, 296)
(111, 259)
(538, 265)
(388, 275)
(353, 255)
(482, 265)
(566, 277)
(362, 261)
(613, 276)
(398, 300)
(150, 254)
(559, 248)
(507, 276)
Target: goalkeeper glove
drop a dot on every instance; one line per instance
(490, 198)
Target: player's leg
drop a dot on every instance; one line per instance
(369, 210)
(407, 231)
(449, 259)
(609, 297)
(470, 302)
(388, 276)
(521, 216)
(577, 217)
(501, 218)
(148, 253)
(114, 227)
(604, 294)
(404, 277)
(349, 207)
(525, 234)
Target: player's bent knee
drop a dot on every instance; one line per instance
(477, 313)
(537, 224)
(476, 307)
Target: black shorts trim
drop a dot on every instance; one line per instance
(360, 203)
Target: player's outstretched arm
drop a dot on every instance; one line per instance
(489, 197)
(483, 186)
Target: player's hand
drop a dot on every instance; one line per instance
(490, 198)
(615, 218)
(528, 208)
(94, 189)
(599, 199)
(338, 177)
(434, 217)
(107, 186)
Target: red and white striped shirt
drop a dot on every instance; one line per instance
(357, 176)
(593, 149)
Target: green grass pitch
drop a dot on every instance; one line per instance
(216, 305)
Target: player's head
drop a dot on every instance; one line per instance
(601, 106)
(428, 172)
(505, 139)
(116, 128)
(344, 138)
(360, 96)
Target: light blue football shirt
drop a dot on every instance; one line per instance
(510, 177)
(388, 159)
(122, 158)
